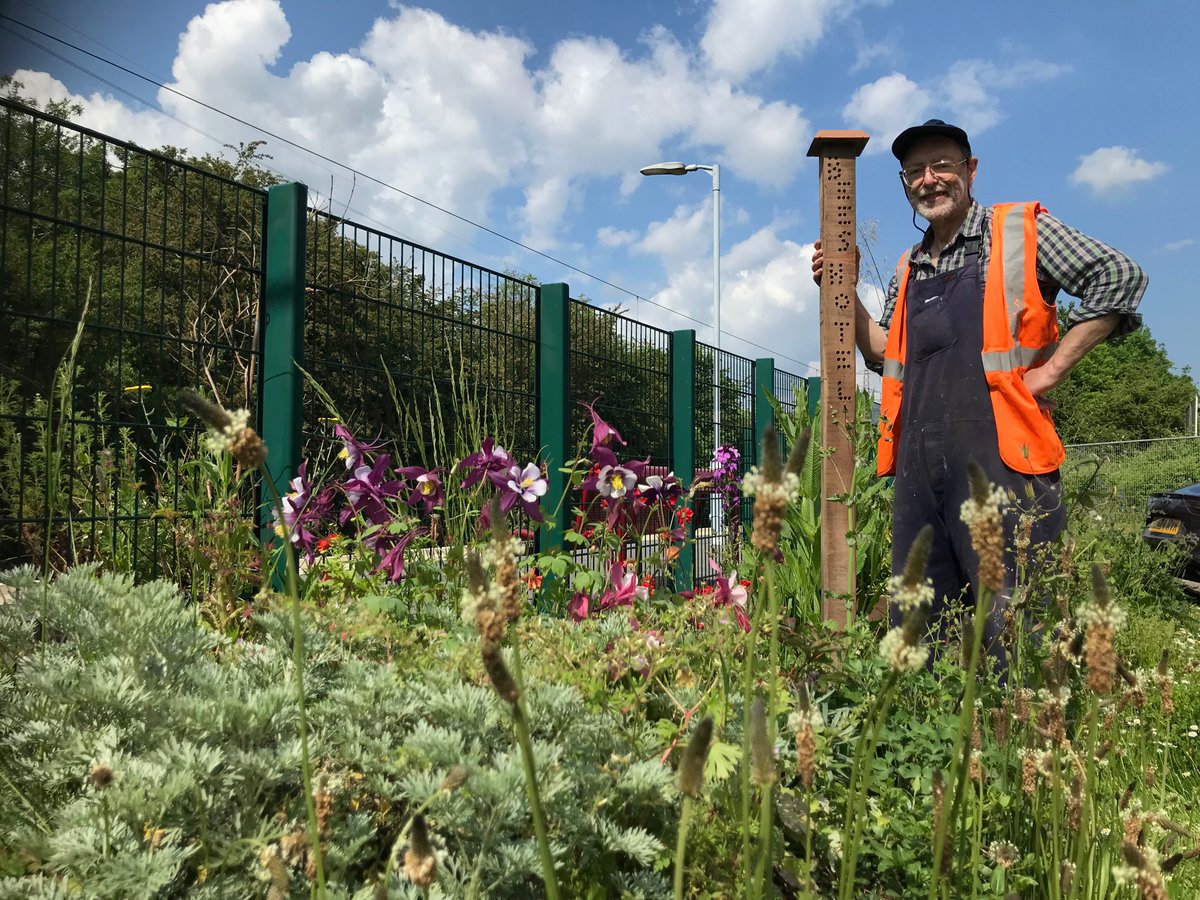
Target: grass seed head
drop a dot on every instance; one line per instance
(276, 871)
(983, 514)
(228, 432)
(1000, 722)
(502, 680)
(762, 757)
(771, 464)
(798, 454)
(1003, 853)
(1075, 802)
(806, 721)
(691, 769)
(323, 802)
(420, 863)
(918, 558)
(1066, 877)
(455, 778)
(213, 415)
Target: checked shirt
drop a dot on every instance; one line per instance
(1104, 280)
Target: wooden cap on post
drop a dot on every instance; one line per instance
(838, 142)
(837, 151)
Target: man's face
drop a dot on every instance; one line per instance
(939, 198)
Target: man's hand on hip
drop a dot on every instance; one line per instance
(1040, 381)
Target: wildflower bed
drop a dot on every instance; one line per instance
(432, 709)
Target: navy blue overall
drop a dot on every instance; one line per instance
(947, 419)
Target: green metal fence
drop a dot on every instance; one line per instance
(157, 265)
(182, 277)
(415, 344)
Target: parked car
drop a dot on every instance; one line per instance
(1175, 516)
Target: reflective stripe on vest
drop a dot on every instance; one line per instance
(1017, 358)
(893, 369)
(1013, 242)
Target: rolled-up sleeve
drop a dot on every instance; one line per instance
(885, 318)
(1103, 279)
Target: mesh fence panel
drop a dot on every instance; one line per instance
(786, 387)
(159, 263)
(425, 350)
(625, 367)
(724, 417)
(1130, 471)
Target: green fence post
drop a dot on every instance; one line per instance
(814, 398)
(553, 401)
(683, 435)
(280, 397)
(762, 412)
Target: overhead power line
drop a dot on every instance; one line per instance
(356, 172)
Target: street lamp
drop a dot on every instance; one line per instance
(678, 168)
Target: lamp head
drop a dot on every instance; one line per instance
(666, 168)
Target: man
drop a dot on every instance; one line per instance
(968, 348)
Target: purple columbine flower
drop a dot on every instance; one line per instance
(392, 561)
(577, 608)
(726, 457)
(353, 452)
(301, 509)
(521, 486)
(427, 490)
(602, 432)
(485, 461)
(660, 488)
(366, 492)
(612, 481)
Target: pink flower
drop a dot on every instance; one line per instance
(578, 607)
(731, 592)
(624, 588)
(602, 432)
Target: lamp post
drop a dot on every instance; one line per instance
(678, 168)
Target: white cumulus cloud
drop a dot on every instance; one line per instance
(768, 298)
(1113, 168)
(455, 115)
(885, 107)
(615, 237)
(744, 36)
(1175, 246)
(967, 94)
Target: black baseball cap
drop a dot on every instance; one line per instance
(932, 128)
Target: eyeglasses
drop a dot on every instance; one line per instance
(913, 175)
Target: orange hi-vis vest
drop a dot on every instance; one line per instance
(1020, 332)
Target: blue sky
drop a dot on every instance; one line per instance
(533, 118)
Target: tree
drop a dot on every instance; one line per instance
(1124, 389)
